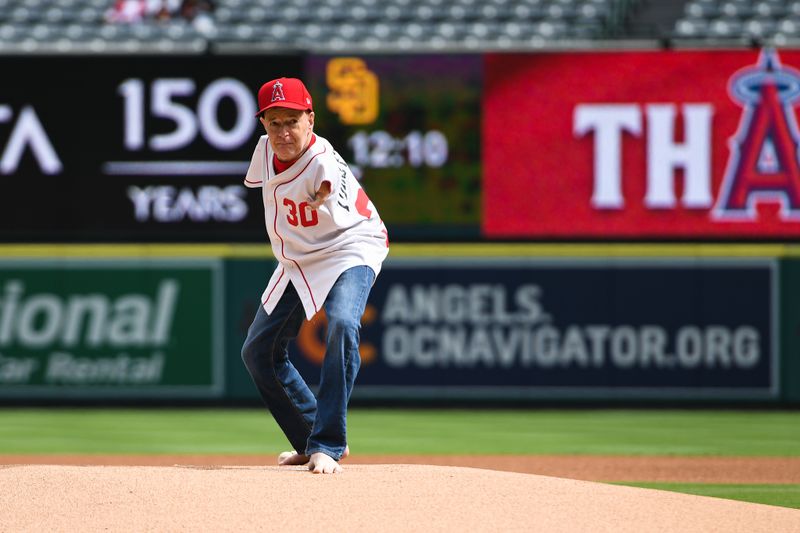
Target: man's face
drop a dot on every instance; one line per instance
(289, 131)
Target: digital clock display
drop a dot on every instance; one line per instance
(380, 149)
(409, 126)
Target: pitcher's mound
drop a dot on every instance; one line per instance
(365, 498)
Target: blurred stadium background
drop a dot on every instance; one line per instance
(588, 200)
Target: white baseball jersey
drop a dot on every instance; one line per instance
(314, 246)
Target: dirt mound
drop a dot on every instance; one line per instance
(391, 497)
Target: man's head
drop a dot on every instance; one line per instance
(285, 109)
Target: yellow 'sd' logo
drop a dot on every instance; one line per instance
(354, 90)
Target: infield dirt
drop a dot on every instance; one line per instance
(208, 495)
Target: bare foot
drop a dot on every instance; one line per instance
(320, 463)
(292, 458)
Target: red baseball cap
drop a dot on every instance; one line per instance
(284, 92)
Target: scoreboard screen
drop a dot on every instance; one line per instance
(409, 126)
(131, 148)
(155, 148)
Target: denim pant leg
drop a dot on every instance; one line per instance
(283, 390)
(344, 306)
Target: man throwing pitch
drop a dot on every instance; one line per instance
(330, 243)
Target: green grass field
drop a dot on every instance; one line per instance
(782, 495)
(385, 431)
(389, 431)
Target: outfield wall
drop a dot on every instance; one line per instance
(503, 323)
(595, 159)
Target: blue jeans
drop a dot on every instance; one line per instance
(311, 424)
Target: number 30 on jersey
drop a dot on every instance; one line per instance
(307, 215)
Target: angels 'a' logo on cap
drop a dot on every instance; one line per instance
(277, 92)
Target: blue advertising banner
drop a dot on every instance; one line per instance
(621, 328)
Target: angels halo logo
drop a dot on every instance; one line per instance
(764, 162)
(277, 92)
